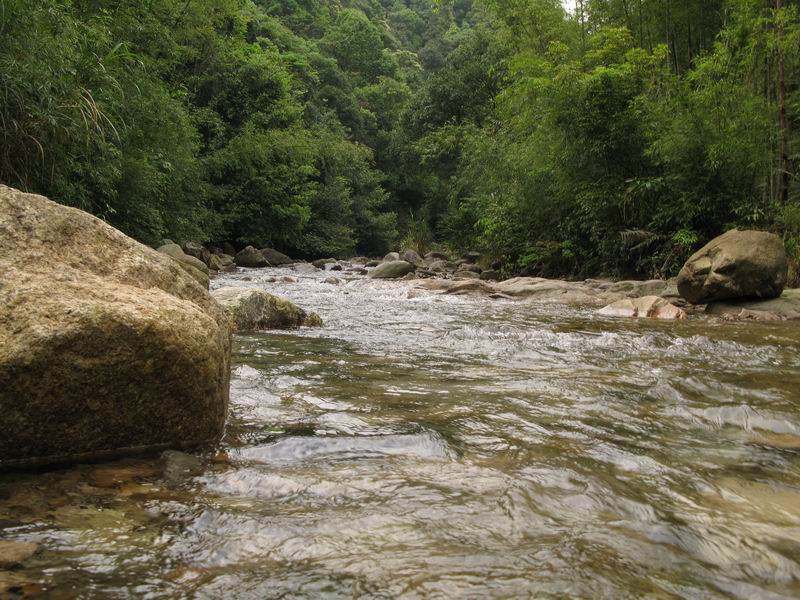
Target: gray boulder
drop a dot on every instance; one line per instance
(199, 251)
(490, 276)
(436, 256)
(275, 258)
(736, 265)
(411, 257)
(252, 309)
(193, 266)
(392, 257)
(321, 262)
(251, 258)
(110, 348)
(392, 270)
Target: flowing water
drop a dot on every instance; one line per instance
(452, 447)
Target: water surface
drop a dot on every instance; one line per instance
(432, 446)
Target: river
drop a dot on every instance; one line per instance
(427, 446)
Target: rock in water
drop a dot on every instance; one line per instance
(411, 257)
(251, 258)
(253, 310)
(392, 257)
(736, 265)
(106, 345)
(651, 307)
(275, 258)
(193, 266)
(392, 270)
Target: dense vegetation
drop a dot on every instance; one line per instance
(608, 136)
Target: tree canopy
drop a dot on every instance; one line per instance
(605, 136)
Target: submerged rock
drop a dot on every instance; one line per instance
(15, 553)
(251, 258)
(106, 346)
(255, 310)
(392, 270)
(651, 307)
(736, 265)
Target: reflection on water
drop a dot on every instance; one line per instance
(435, 446)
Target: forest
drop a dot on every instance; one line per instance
(593, 137)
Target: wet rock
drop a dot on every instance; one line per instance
(411, 257)
(392, 270)
(191, 265)
(131, 352)
(651, 307)
(410, 276)
(115, 474)
(373, 263)
(392, 257)
(442, 266)
(287, 279)
(18, 587)
(333, 281)
(251, 258)
(336, 267)
(470, 267)
(13, 554)
(490, 276)
(275, 258)
(785, 308)
(359, 260)
(736, 265)
(255, 310)
(465, 274)
(179, 466)
(321, 262)
(359, 271)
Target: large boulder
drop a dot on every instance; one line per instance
(106, 346)
(650, 307)
(275, 258)
(193, 266)
(251, 258)
(736, 265)
(392, 270)
(392, 257)
(252, 309)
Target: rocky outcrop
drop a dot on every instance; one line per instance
(736, 265)
(275, 258)
(193, 266)
(255, 310)
(106, 346)
(392, 270)
(251, 258)
(650, 307)
(785, 308)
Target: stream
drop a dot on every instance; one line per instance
(428, 446)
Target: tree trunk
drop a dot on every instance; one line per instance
(783, 121)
